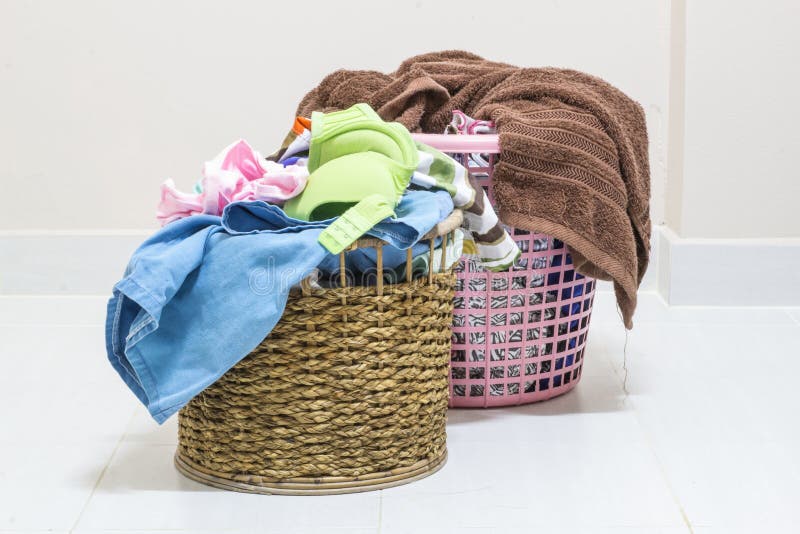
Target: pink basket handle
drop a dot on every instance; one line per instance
(483, 143)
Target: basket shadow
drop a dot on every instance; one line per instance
(594, 394)
(142, 466)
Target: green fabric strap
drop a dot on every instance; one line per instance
(355, 222)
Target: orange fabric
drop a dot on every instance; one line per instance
(300, 124)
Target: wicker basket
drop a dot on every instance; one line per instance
(518, 336)
(348, 393)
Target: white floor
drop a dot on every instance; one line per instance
(706, 440)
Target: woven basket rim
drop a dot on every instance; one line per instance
(309, 485)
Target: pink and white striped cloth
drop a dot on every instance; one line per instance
(237, 173)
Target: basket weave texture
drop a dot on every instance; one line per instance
(349, 390)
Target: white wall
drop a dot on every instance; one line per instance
(732, 236)
(102, 100)
(740, 175)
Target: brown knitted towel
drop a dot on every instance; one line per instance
(573, 158)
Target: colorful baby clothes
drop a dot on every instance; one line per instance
(296, 141)
(238, 173)
(361, 262)
(355, 130)
(204, 291)
(360, 167)
(485, 238)
(356, 188)
(421, 263)
(462, 123)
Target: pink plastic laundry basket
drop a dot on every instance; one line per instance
(518, 336)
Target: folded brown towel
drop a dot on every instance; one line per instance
(573, 160)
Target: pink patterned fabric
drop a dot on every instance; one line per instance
(237, 173)
(466, 125)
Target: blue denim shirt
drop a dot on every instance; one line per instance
(204, 291)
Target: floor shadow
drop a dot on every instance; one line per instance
(140, 466)
(146, 462)
(593, 394)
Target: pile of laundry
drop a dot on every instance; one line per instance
(211, 284)
(573, 149)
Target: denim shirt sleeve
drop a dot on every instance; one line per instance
(155, 273)
(204, 291)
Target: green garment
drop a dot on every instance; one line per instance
(360, 166)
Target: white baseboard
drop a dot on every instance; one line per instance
(722, 272)
(90, 263)
(728, 272)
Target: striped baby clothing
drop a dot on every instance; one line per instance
(485, 238)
